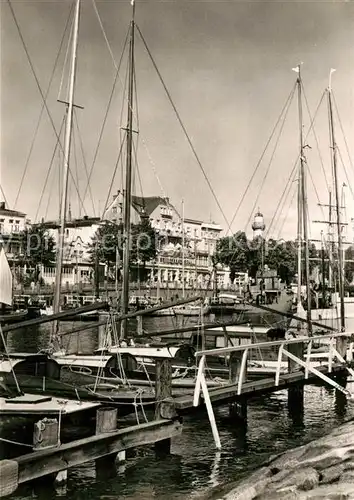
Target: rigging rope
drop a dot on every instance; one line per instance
(117, 67)
(39, 88)
(49, 171)
(84, 159)
(295, 164)
(113, 177)
(342, 130)
(314, 132)
(43, 105)
(184, 129)
(262, 155)
(272, 156)
(3, 193)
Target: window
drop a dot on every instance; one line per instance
(11, 221)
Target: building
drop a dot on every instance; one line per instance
(185, 246)
(77, 266)
(12, 224)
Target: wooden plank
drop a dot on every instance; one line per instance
(41, 463)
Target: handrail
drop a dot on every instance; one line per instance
(226, 350)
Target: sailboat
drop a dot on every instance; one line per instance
(341, 313)
(6, 293)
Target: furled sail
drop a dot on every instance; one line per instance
(5, 280)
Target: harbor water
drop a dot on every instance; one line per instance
(194, 470)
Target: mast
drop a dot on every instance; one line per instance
(128, 178)
(183, 243)
(333, 146)
(323, 266)
(330, 240)
(67, 148)
(303, 208)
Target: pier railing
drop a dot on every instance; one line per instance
(303, 358)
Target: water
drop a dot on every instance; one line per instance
(195, 470)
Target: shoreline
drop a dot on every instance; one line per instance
(321, 469)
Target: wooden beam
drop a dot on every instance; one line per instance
(58, 316)
(41, 463)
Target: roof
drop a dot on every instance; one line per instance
(146, 205)
(83, 222)
(13, 213)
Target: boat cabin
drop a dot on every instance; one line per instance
(21, 364)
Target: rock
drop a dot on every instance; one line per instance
(249, 488)
(321, 470)
(336, 491)
(347, 476)
(331, 474)
(288, 494)
(302, 479)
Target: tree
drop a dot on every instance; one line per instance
(38, 248)
(349, 266)
(281, 256)
(109, 238)
(232, 251)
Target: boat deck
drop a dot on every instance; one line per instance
(34, 404)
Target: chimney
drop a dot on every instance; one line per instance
(2, 205)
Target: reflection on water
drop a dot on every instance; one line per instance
(194, 468)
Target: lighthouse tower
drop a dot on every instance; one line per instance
(258, 225)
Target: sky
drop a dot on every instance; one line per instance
(228, 68)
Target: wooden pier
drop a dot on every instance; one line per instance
(304, 366)
(50, 457)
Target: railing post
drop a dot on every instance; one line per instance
(308, 359)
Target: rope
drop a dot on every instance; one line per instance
(84, 160)
(3, 193)
(272, 156)
(43, 105)
(113, 177)
(49, 171)
(183, 128)
(41, 93)
(262, 155)
(10, 441)
(117, 67)
(342, 129)
(314, 132)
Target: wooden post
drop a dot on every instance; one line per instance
(139, 326)
(164, 407)
(296, 391)
(341, 401)
(342, 346)
(237, 409)
(8, 477)
(106, 421)
(46, 434)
